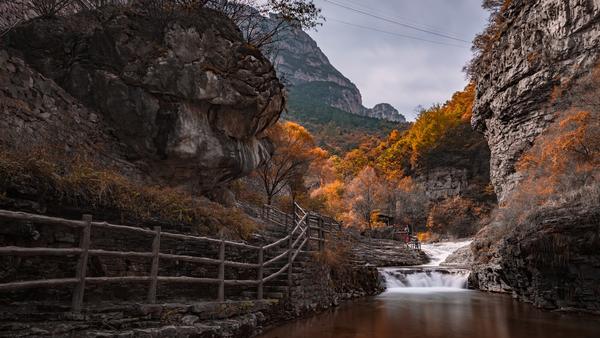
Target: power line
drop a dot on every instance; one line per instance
(394, 21)
(394, 33)
(422, 25)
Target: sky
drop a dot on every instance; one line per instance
(404, 72)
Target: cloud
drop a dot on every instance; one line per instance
(400, 71)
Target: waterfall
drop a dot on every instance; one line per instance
(429, 277)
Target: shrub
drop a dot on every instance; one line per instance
(457, 217)
(78, 183)
(563, 165)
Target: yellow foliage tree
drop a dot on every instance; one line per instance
(294, 151)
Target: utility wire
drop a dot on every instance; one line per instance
(416, 23)
(394, 21)
(394, 33)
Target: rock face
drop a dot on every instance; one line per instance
(552, 262)
(546, 44)
(550, 257)
(385, 111)
(36, 111)
(300, 61)
(444, 182)
(190, 102)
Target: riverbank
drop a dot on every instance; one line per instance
(433, 300)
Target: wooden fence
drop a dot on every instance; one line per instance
(298, 236)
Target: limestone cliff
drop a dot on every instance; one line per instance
(188, 103)
(545, 44)
(550, 257)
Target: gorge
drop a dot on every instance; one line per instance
(201, 169)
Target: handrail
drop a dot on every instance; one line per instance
(276, 243)
(303, 219)
(279, 272)
(302, 228)
(22, 216)
(276, 258)
(299, 248)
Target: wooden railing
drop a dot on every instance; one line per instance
(296, 240)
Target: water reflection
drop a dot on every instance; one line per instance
(466, 314)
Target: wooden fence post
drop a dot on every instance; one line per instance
(221, 296)
(321, 235)
(259, 293)
(154, 269)
(308, 219)
(290, 269)
(84, 244)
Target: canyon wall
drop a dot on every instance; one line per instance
(540, 52)
(544, 45)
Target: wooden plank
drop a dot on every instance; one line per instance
(191, 280)
(241, 282)
(275, 259)
(279, 272)
(195, 259)
(154, 268)
(299, 249)
(38, 284)
(23, 216)
(84, 244)
(115, 227)
(206, 239)
(161, 279)
(276, 243)
(120, 254)
(123, 279)
(23, 251)
(307, 232)
(259, 292)
(321, 236)
(289, 266)
(221, 277)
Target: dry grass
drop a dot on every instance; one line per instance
(77, 183)
(336, 252)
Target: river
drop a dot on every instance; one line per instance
(432, 302)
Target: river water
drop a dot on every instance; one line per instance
(433, 302)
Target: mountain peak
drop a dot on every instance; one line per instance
(303, 65)
(385, 111)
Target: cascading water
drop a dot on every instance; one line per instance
(425, 279)
(429, 277)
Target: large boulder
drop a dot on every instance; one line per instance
(188, 98)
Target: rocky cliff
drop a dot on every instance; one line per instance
(543, 45)
(547, 255)
(299, 60)
(187, 103)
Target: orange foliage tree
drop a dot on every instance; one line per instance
(294, 151)
(564, 158)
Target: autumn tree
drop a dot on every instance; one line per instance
(250, 16)
(362, 197)
(411, 202)
(294, 151)
(563, 165)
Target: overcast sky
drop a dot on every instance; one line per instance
(388, 68)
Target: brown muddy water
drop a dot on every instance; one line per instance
(443, 314)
